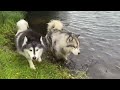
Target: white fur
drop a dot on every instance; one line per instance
(55, 24)
(29, 55)
(22, 25)
(25, 41)
(76, 51)
(41, 41)
(38, 52)
(32, 66)
(17, 39)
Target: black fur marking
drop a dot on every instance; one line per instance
(34, 50)
(55, 43)
(70, 46)
(77, 40)
(70, 38)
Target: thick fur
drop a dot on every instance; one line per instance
(55, 25)
(28, 43)
(62, 43)
(22, 25)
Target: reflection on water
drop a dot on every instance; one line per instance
(100, 38)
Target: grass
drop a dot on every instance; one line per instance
(15, 66)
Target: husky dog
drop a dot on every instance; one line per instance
(28, 43)
(62, 43)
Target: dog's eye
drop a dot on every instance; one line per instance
(36, 49)
(30, 50)
(75, 47)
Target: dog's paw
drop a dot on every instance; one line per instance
(33, 67)
(39, 60)
(66, 62)
(70, 64)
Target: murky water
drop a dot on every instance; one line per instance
(100, 39)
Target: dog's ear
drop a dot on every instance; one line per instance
(41, 41)
(70, 38)
(77, 35)
(25, 41)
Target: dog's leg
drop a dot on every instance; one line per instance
(66, 59)
(39, 60)
(32, 66)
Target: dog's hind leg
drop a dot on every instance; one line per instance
(32, 66)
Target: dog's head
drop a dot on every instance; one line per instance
(32, 49)
(73, 44)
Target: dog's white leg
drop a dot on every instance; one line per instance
(32, 66)
(66, 59)
(39, 60)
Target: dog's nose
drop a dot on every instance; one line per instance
(78, 53)
(34, 58)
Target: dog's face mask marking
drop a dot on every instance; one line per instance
(33, 50)
(74, 44)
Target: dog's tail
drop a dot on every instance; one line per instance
(55, 25)
(22, 25)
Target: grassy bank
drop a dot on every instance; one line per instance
(15, 66)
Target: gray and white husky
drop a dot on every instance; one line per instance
(28, 43)
(62, 43)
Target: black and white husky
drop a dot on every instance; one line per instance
(62, 43)
(28, 43)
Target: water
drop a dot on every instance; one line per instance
(100, 39)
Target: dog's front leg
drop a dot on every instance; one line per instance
(66, 59)
(39, 59)
(32, 66)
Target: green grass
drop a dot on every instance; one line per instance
(15, 66)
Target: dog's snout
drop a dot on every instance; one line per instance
(78, 53)
(34, 58)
